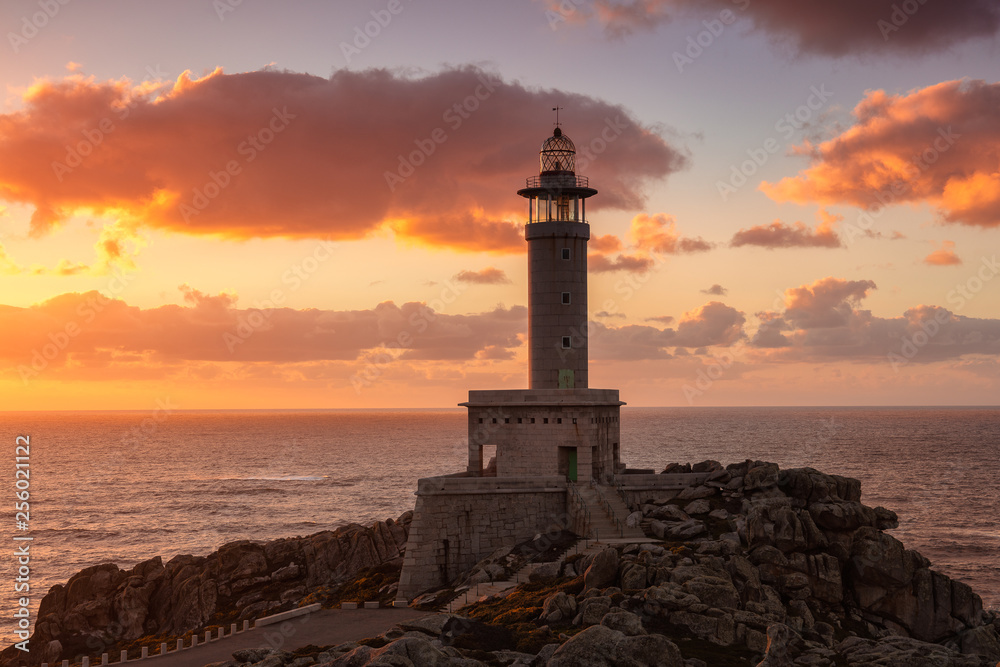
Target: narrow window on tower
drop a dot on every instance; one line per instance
(565, 298)
(565, 253)
(567, 342)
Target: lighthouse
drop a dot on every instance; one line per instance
(558, 426)
(557, 233)
(537, 456)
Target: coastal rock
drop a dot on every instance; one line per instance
(598, 646)
(901, 652)
(623, 621)
(106, 606)
(558, 607)
(603, 570)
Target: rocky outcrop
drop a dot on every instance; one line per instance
(104, 606)
(770, 567)
(753, 566)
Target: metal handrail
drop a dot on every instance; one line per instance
(610, 510)
(557, 181)
(620, 488)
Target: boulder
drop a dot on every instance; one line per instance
(623, 621)
(558, 607)
(699, 506)
(761, 477)
(599, 646)
(603, 570)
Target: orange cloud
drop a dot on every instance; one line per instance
(780, 235)
(943, 256)
(488, 276)
(279, 154)
(74, 334)
(650, 237)
(938, 145)
(714, 323)
(658, 234)
(828, 28)
(605, 244)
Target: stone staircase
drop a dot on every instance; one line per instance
(607, 514)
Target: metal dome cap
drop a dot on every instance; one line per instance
(558, 154)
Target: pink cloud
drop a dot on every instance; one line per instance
(279, 154)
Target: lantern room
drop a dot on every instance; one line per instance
(557, 193)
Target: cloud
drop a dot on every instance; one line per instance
(283, 154)
(797, 235)
(938, 145)
(658, 234)
(827, 28)
(662, 319)
(598, 263)
(824, 322)
(943, 256)
(715, 290)
(7, 265)
(651, 237)
(711, 324)
(605, 244)
(207, 328)
(714, 323)
(116, 248)
(488, 276)
(828, 302)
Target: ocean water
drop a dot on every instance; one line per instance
(126, 486)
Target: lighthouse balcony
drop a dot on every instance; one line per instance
(564, 179)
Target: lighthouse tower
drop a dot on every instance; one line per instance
(557, 233)
(558, 426)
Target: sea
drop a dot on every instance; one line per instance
(123, 487)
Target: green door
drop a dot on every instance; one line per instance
(572, 465)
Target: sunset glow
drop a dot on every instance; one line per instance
(273, 212)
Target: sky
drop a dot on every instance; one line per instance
(249, 204)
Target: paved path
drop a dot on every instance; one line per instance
(324, 627)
